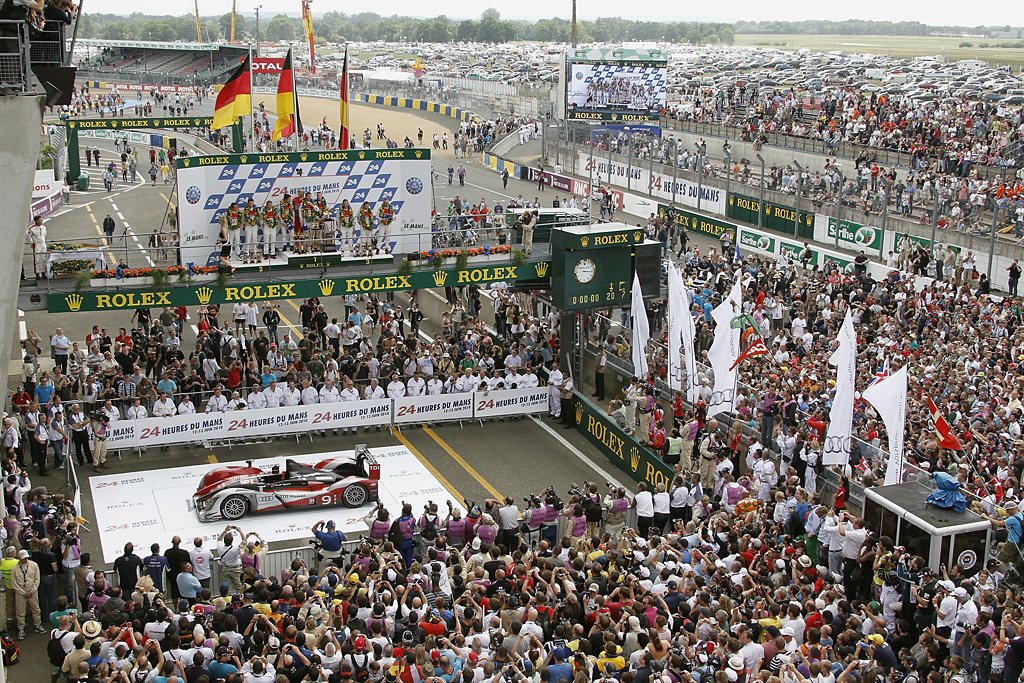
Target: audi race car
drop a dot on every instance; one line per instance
(232, 492)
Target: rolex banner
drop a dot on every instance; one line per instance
(210, 184)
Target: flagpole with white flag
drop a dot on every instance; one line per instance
(641, 329)
(682, 361)
(724, 351)
(840, 418)
(889, 397)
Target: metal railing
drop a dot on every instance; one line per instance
(15, 73)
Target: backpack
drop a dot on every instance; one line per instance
(360, 672)
(593, 511)
(54, 648)
(544, 621)
(12, 655)
(395, 533)
(429, 531)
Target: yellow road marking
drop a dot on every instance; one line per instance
(288, 322)
(465, 465)
(211, 458)
(426, 463)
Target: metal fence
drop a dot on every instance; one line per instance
(14, 56)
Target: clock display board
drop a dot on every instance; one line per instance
(594, 278)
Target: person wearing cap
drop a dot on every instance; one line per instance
(965, 618)
(25, 583)
(1013, 522)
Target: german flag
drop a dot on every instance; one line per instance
(343, 137)
(287, 107)
(235, 98)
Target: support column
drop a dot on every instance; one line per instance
(19, 147)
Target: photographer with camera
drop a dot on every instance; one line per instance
(533, 517)
(508, 520)
(100, 424)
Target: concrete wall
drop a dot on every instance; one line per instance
(19, 146)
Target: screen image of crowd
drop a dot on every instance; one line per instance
(743, 567)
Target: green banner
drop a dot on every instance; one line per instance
(777, 217)
(295, 157)
(170, 122)
(639, 462)
(845, 265)
(211, 293)
(795, 252)
(572, 115)
(751, 239)
(695, 222)
(598, 236)
(855, 236)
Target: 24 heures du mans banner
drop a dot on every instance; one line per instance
(127, 297)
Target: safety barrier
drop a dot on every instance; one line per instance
(250, 424)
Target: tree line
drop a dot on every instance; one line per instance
(336, 27)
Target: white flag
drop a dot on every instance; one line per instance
(836, 449)
(889, 397)
(641, 329)
(681, 333)
(724, 351)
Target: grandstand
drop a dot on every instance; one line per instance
(155, 63)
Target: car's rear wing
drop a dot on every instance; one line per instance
(369, 463)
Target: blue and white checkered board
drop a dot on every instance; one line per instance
(357, 181)
(583, 74)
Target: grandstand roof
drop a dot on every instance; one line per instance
(158, 45)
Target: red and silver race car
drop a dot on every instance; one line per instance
(233, 492)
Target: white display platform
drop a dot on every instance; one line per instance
(151, 506)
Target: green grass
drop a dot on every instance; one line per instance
(896, 46)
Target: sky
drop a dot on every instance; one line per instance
(940, 12)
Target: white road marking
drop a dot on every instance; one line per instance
(579, 454)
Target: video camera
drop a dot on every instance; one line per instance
(583, 493)
(552, 498)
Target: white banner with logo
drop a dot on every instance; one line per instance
(44, 184)
(249, 424)
(416, 409)
(509, 402)
(657, 184)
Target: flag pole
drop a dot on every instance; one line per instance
(295, 102)
(252, 116)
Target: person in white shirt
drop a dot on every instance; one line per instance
(291, 395)
(435, 386)
(644, 504)
(238, 315)
(395, 387)
(329, 394)
(373, 392)
(236, 402)
(274, 395)
(416, 386)
(217, 403)
(466, 382)
(202, 561)
(529, 380)
(554, 392)
(137, 411)
(251, 317)
(348, 394)
(308, 394)
(256, 400)
(164, 407)
(186, 407)
(111, 411)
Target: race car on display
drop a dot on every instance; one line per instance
(232, 492)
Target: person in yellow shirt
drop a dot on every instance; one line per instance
(612, 656)
(769, 617)
(6, 564)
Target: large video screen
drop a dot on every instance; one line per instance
(615, 90)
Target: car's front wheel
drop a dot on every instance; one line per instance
(355, 496)
(234, 507)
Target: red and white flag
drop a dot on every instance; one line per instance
(947, 439)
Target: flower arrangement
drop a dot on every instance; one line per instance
(60, 246)
(73, 266)
(473, 251)
(127, 273)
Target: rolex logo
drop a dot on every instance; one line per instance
(638, 236)
(440, 277)
(634, 457)
(242, 158)
(418, 154)
(767, 209)
(584, 240)
(71, 124)
(541, 268)
(186, 161)
(195, 122)
(156, 122)
(113, 124)
(204, 294)
(732, 200)
(362, 155)
(326, 287)
(579, 413)
(303, 156)
(615, 117)
(74, 302)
